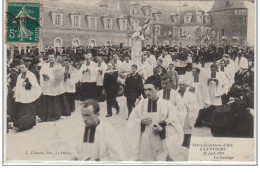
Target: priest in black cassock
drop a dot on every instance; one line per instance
(53, 102)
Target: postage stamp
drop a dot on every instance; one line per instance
(23, 22)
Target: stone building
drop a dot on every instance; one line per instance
(229, 19)
(111, 22)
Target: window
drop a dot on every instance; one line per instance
(147, 11)
(181, 32)
(92, 43)
(135, 10)
(123, 25)
(108, 23)
(157, 17)
(187, 18)
(57, 42)
(227, 4)
(76, 21)
(57, 19)
(199, 19)
(175, 19)
(92, 22)
(108, 43)
(207, 19)
(75, 42)
(135, 24)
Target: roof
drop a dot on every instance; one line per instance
(227, 5)
(58, 6)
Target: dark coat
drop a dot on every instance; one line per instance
(133, 86)
(13, 77)
(110, 83)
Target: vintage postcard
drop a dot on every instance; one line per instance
(130, 82)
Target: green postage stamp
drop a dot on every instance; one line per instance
(23, 22)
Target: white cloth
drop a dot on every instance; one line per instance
(100, 73)
(27, 96)
(176, 101)
(189, 59)
(118, 64)
(90, 72)
(107, 145)
(166, 61)
(136, 48)
(127, 67)
(148, 146)
(152, 60)
(55, 85)
(230, 76)
(146, 70)
(70, 83)
(201, 91)
(192, 106)
(216, 91)
(243, 63)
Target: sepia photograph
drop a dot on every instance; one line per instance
(134, 82)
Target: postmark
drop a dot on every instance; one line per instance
(23, 22)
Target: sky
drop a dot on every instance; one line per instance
(205, 5)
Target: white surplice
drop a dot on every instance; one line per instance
(166, 60)
(101, 73)
(88, 72)
(147, 146)
(241, 64)
(55, 85)
(215, 90)
(192, 106)
(176, 101)
(146, 70)
(201, 92)
(70, 83)
(27, 96)
(107, 145)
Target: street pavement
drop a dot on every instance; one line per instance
(54, 140)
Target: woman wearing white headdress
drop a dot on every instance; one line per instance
(137, 39)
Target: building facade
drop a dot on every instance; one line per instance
(111, 22)
(229, 19)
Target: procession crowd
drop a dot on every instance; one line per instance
(163, 108)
